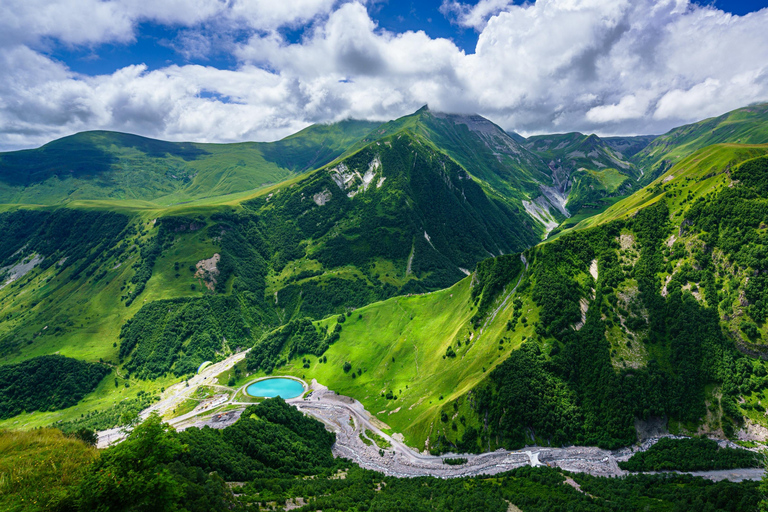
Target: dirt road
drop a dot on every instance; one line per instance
(174, 396)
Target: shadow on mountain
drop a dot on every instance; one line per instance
(84, 155)
(157, 148)
(61, 159)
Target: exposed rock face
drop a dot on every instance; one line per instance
(19, 270)
(352, 181)
(208, 271)
(322, 197)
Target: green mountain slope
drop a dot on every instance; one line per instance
(497, 160)
(748, 125)
(573, 151)
(380, 259)
(420, 353)
(156, 292)
(656, 312)
(119, 166)
(627, 147)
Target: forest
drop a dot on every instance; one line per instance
(301, 336)
(574, 391)
(46, 383)
(177, 335)
(692, 454)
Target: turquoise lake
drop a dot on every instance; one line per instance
(268, 388)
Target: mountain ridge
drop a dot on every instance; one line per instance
(384, 235)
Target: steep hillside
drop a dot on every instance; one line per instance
(396, 217)
(120, 166)
(701, 173)
(316, 145)
(627, 147)
(570, 152)
(670, 327)
(499, 161)
(393, 274)
(410, 356)
(155, 292)
(748, 125)
(657, 316)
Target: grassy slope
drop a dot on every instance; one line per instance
(593, 189)
(576, 150)
(316, 145)
(39, 468)
(101, 316)
(415, 331)
(506, 170)
(119, 166)
(596, 168)
(748, 125)
(92, 314)
(701, 173)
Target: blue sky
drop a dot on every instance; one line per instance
(230, 70)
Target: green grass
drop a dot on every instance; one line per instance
(592, 189)
(106, 396)
(39, 468)
(748, 125)
(184, 407)
(91, 313)
(579, 151)
(376, 438)
(366, 441)
(398, 345)
(700, 173)
(139, 170)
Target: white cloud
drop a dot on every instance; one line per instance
(611, 66)
(95, 21)
(630, 106)
(270, 14)
(475, 16)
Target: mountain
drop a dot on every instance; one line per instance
(118, 166)
(412, 253)
(497, 160)
(395, 217)
(569, 152)
(748, 125)
(654, 315)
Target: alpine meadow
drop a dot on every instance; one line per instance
(393, 304)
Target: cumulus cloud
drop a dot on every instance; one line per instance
(608, 66)
(473, 15)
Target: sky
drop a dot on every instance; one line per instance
(237, 70)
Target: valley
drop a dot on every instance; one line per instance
(445, 286)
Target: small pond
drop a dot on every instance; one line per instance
(277, 386)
